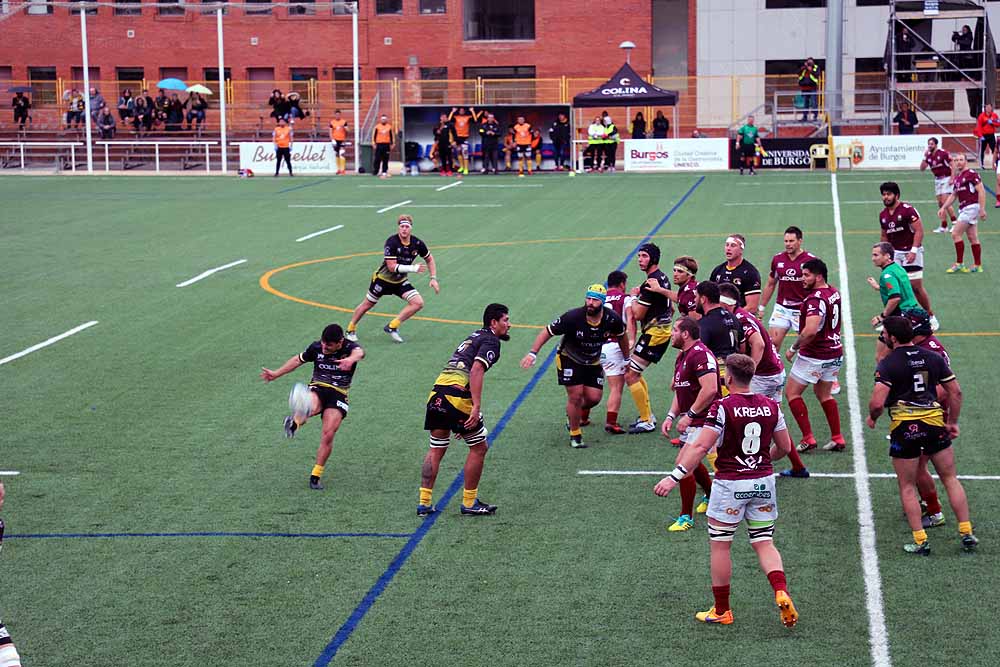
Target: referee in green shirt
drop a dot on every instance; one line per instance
(747, 141)
(893, 286)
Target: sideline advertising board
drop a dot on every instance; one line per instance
(779, 153)
(651, 155)
(308, 157)
(892, 151)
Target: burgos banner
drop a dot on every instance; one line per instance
(676, 154)
(884, 151)
(308, 157)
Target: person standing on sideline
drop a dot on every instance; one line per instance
(21, 105)
(595, 144)
(454, 407)
(747, 143)
(283, 137)
(906, 120)
(382, 139)
(903, 230)
(489, 130)
(743, 425)
(968, 189)
(461, 122)
(809, 89)
(661, 126)
(338, 137)
(638, 128)
(522, 144)
(334, 360)
(559, 135)
(610, 142)
(444, 138)
(986, 127)
(939, 161)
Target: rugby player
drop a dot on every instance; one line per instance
(462, 121)
(906, 383)
(334, 360)
(939, 161)
(720, 331)
(740, 272)
(968, 189)
(521, 131)
(653, 312)
(614, 358)
(401, 249)
(818, 355)
(903, 230)
(743, 425)
(584, 332)
(696, 386)
(894, 288)
(769, 376)
(786, 277)
(454, 407)
(8, 652)
(338, 137)
(444, 139)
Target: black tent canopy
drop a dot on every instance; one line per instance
(626, 89)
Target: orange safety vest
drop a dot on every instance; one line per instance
(383, 133)
(462, 125)
(338, 130)
(522, 134)
(283, 136)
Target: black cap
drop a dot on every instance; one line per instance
(652, 250)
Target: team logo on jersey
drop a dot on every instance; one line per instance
(781, 265)
(790, 272)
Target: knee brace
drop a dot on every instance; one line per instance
(760, 531)
(721, 533)
(477, 438)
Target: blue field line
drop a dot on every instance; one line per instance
(202, 534)
(351, 624)
(304, 185)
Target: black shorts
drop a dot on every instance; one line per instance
(380, 288)
(523, 150)
(748, 150)
(331, 399)
(653, 342)
(338, 146)
(573, 373)
(911, 439)
(448, 407)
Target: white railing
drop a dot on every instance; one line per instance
(156, 149)
(48, 144)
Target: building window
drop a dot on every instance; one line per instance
(130, 75)
(211, 6)
(43, 82)
(343, 85)
(212, 76)
(127, 8)
(264, 10)
(303, 8)
(433, 6)
(303, 73)
(499, 19)
(39, 7)
(345, 8)
(388, 6)
(169, 8)
(794, 4)
(91, 11)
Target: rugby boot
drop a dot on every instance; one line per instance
(711, 616)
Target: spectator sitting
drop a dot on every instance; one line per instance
(638, 126)
(294, 109)
(74, 107)
(279, 105)
(106, 123)
(126, 105)
(906, 119)
(143, 116)
(661, 126)
(695, 134)
(196, 104)
(175, 113)
(96, 102)
(20, 104)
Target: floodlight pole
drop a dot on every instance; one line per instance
(357, 91)
(222, 91)
(86, 88)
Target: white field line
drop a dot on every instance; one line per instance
(9, 473)
(333, 206)
(878, 637)
(450, 185)
(395, 205)
(46, 343)
(468, 185)
(822, 475)
(456, 206)
(315, 234)
(392, 206)
(206, 274)
(862, 202)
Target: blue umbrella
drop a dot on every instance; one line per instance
(172, 84)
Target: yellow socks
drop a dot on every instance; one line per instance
(394, 323)
(574, 432)
(317, 471)
(965, 528)
(425, 495)
(468, 497)
(920, 536)
(351, 327)
(640, 394)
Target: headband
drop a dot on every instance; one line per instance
(727, 300)
(733, 239)
(678, 267)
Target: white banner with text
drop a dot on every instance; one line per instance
(308, 157)
(676, 154)
(886, 151)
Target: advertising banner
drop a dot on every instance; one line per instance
(779, 153)
(308, 157)
(651, 155)
(884, 151)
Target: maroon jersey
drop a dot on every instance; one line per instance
(965, 188)
(747, 423)
(788, 274)
(824, 302)
(897, 225)
(934, 345)
(687, 297)
(616, 302)
(939, 161)
(770, 361)
(691, 364)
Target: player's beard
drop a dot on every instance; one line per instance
(593, 311)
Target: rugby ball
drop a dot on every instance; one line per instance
(300, 400)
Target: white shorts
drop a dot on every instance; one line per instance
(811, 371)
(969, 215)
(768, 385)
(914, 271)
(942, 186)
(612, 360)
(733, 500)
(783, 317)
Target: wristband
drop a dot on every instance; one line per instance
(671, 416)
(691, 414)
(407, 268)
(534, 355)
(433, 278)
(678, 473)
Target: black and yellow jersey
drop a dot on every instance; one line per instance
(403, 254)
(482, 345)
(660, 310)
(913, 374)
(721, 332)
(581, 340)
(326, 367)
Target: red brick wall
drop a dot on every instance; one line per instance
(571, 38)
